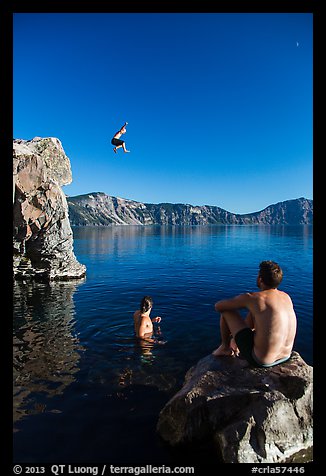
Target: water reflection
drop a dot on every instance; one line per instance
(140, 363)
(45, 347)
(117, 239)
(146, 348)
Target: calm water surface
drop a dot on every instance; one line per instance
(84, 390)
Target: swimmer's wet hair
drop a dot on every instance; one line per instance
(270, 273)
(146, 303)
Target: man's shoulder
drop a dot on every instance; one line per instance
(255, 296)
(246, 298)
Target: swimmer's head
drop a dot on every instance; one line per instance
(146, 304)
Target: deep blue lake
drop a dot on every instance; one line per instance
(84, 390)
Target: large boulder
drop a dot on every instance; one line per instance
(42, 235)
(252, 415)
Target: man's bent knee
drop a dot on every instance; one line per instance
(234, 321)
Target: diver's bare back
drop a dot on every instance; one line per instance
(275, 324)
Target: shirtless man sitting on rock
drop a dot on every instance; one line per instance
(265, 337)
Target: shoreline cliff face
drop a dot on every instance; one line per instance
(42, 235)
(99, 209)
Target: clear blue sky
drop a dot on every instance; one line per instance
(219, 105)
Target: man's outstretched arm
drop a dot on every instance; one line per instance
(237, 302)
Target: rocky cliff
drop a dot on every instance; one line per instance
(250, 415)
(101, 209)
(42, 235)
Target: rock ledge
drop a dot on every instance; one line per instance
(252, 415)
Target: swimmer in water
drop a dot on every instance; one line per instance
(142, 321)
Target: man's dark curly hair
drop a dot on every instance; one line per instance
(270, 273)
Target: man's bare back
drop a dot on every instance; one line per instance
(268, 332)
(274, 323)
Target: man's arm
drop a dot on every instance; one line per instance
(249, 320)
(237, 302)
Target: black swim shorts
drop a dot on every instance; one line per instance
(245, 342)
(117, 141)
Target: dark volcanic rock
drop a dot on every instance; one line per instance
(42, 235)
(252, 415)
